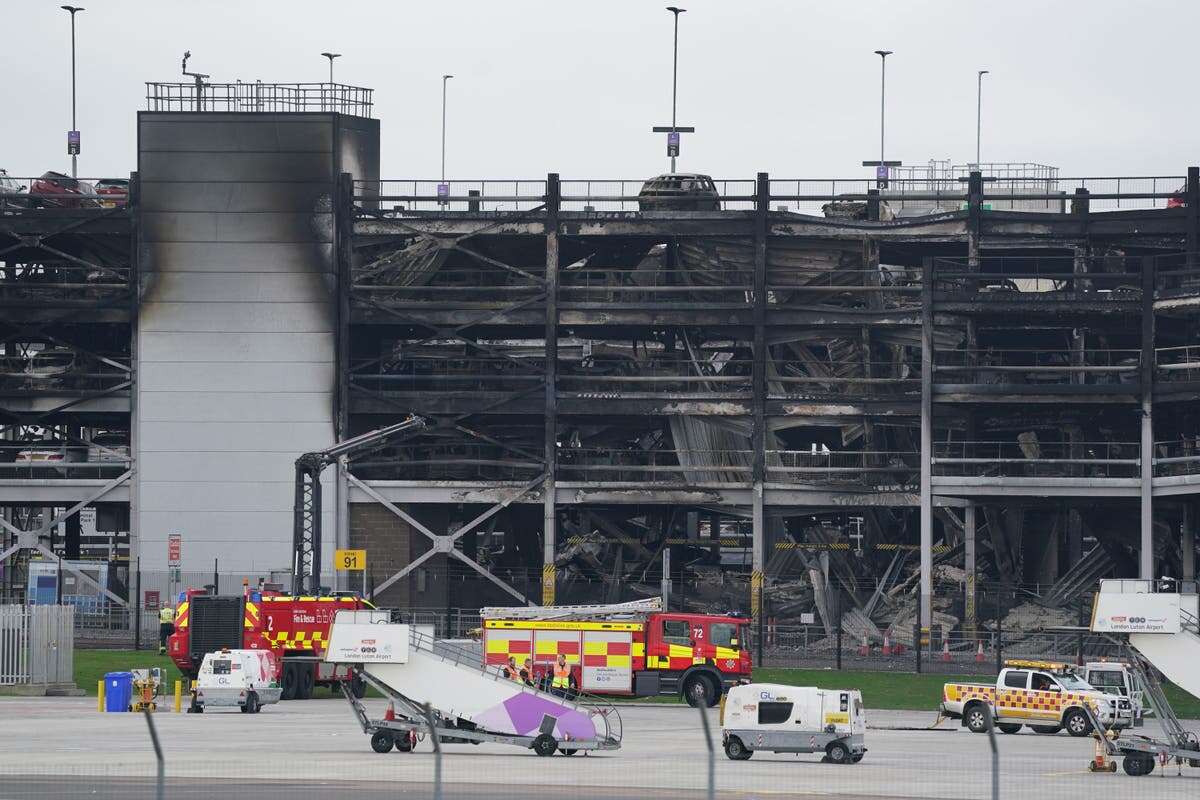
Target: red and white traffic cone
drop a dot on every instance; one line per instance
(390, 714)
(979, 652)
(864, 649)
(887, 643)
(945, 651)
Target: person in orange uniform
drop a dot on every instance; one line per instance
(509, 670)
(562, 677)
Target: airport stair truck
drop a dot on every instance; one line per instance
(1159, 624)
(629, 649)
(437, 688)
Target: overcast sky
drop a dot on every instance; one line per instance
(1091, 86)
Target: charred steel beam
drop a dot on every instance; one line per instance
(549, 512)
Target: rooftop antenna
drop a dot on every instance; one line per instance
(199, 76)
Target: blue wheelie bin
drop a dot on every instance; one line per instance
(118, 691)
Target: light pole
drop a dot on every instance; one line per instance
(979, 114)
(74, 154)
(675, 70)
(883, 54)
(331, 57)
(445, 78)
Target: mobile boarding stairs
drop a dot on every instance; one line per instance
(437, 688)
(1159, 621)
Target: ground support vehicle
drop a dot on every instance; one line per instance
(793, 719)
(1162, 632)
(467, 703)
(1116, 677)
(242, 679)
(295, 629)
(1044, 695)
(631, 649)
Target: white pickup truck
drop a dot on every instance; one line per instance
(1044, 695)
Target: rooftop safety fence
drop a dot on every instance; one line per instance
(258, 97)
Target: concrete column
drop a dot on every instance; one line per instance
(549, 515)
(1188, 541)
(759, 377)
(969, 568)
(1146, 555)
(926, 607)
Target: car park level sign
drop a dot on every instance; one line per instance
(72, 143)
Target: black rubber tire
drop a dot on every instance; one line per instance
(242, 708)
(251, 706)
(358, 687)
(382, 741)
(404, 743)
(698, 691)
(1049, 730)
(567, 751)
(857, 757)
(544, 745)
(975, 717)
(837, 753)
(305, 681)
(1137, 764)
(1008, 727)
(736, 750)
(288, 682)
(1077, 723)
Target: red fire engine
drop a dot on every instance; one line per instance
(263, 620)
(627, 649)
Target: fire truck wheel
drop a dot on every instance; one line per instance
(1009, 728)
(736, 750)
(1077, 723)
(1046, 729)
(251, 706)
(837, 753)
(382, 741)
(698, 691)
(288, 682)
(544, 745)
(304, 681)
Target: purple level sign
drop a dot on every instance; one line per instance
(443, 193)
(72, 143)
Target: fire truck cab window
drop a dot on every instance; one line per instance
(220, 667)
(676, 631)
(1017, 679)
(774, 713)
(1111, 681)
(724, 634)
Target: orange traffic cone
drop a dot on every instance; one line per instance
(887, 643)
(864, 649)
(979, 652)
(945, 651)
(390, 714)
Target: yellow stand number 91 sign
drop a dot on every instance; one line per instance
(348, 560)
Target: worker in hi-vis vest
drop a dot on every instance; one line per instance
(166, 626)
(562, 676)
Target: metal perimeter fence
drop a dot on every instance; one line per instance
(64, 748)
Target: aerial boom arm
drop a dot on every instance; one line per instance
(306, 528)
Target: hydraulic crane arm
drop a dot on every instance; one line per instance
(306, 526)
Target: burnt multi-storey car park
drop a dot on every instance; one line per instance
(777, 399)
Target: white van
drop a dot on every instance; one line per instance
(245, 679)
(794, 719)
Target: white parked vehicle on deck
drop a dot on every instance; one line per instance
(794, 719)
(243, 679)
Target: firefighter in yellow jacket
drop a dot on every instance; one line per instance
(166, 626)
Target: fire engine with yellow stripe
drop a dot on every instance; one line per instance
(633, 649)
(295, 629)
(1047, 696)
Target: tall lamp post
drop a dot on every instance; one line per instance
(331, 57)
(445, 78)
(72, 138)
(979, 114)
(881, 174)
(675, 71)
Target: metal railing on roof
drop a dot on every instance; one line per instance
(260, 97)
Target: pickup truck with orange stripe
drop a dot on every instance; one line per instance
(1046, 696)
(631, 649)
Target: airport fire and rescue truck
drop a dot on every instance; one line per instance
(291, 627)
(632, 649)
